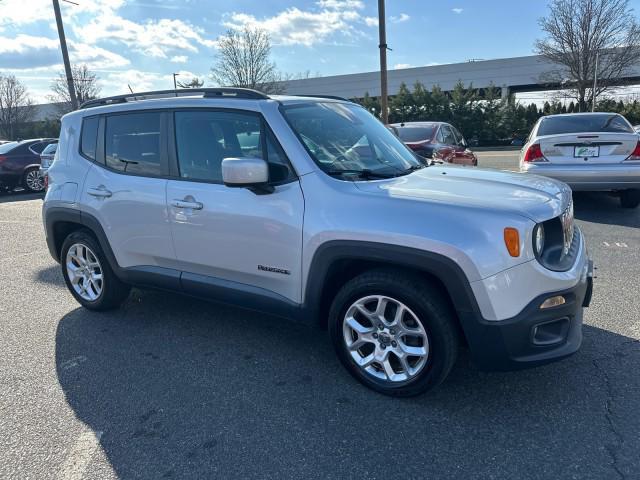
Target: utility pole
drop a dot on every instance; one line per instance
(384, 109)
(595, 84)
(65, 56)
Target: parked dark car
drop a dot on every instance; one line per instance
(436, 140)
(20, 164)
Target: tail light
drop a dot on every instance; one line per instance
(635, 155)
(2, 158)
(534, 154)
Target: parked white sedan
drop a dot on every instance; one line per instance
(589, 151)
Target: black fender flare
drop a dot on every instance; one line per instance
(441, 267)
(55, 215)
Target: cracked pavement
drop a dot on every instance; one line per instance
(171, 387)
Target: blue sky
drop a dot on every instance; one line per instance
(142, 42)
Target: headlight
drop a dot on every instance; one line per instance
(538, 239)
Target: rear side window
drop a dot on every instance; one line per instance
(132, 143)
(205, 138)
(38, 147)
(89, 137)
(588, 123)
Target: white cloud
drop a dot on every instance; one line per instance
(29, 52)
(118, 82)
(341, 4)
(17, 12)
(403, 17)
(371, 21)
(294, 26)
(457, 10)
(398, 66)
(179, 59)
(155, 38)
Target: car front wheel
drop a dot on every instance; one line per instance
(394, 332)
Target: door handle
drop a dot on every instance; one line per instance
(99, 192)
(185, 204)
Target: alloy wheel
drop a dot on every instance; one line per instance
(84, 271)
(34, 181)
(385, 338)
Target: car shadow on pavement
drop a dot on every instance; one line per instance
(603, 207)
(181, 388)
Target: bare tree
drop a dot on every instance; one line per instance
(86, 85)
(15, 105)
(583, 33)
(195, 82)
(244, 60)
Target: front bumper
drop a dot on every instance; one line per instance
(535, 336)
(583, 177)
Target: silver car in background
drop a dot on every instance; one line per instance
(47, 156)
(588, 151)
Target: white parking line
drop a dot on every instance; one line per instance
(80, 455)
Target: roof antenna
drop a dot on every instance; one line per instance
(130, 89)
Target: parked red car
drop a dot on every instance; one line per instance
(436, 140)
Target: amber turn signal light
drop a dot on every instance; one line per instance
(512, 241)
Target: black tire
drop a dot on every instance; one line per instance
(114, 291)
(28, 186)
(630, 198)
(426, 301)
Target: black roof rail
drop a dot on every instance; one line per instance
(227, 92)
(330, 97)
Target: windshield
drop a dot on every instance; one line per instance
(345, 138)
(5, 148)
(50, 150)
(603, 122)
(415, 134)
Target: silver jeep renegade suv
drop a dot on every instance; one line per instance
(309, 208)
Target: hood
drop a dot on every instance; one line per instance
(532, 196)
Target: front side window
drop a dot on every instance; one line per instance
(205, 138)
(89, 137)
(346, 139)
(132, 143)
(447, 133)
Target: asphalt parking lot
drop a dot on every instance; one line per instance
(171, 387)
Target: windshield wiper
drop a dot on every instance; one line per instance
(364, 173)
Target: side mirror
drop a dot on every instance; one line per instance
(252, 173)
(464, 143)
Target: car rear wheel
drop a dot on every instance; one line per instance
(32, 180)
(630, 198)
(88, 274)
(394, 332)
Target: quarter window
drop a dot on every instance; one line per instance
(132, 143)
(89, 137)
(204, 139)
